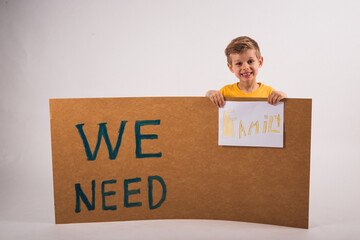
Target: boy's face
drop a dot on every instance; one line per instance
(245, 65)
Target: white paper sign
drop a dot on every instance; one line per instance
(255, 124)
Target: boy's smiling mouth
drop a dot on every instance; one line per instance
(247, 74)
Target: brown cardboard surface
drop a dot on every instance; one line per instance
(203, 180)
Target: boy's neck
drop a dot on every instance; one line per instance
(248, 88)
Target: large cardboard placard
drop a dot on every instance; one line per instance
(158, 158)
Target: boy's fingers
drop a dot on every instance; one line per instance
(277, 99)
(214, 99)
(218, 98)
(221, 101)
(270, 98)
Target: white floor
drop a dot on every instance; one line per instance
(174, 229)
(27, 211)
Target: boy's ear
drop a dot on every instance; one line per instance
(261, 61)
(230, 67)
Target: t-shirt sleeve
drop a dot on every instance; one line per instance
(227, 90)
(222, 91)
(271, 89)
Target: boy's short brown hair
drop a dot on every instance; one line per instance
(241, 44)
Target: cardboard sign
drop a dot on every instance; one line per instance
(255, 124)
(158, 158)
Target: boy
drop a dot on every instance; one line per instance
(244, 60)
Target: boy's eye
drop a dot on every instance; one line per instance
(239, 63)
(250, 61)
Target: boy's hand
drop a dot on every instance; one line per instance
(216, 97)
(275, 97)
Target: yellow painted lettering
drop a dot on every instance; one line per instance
(228, 124)
(241, 129)
(278, 119)
(265, 124)
(270, 124)
(253, 125)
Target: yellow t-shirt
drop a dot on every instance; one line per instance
(232, 90)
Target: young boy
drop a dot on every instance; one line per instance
(244, 60)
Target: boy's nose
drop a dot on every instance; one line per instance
(245, 66)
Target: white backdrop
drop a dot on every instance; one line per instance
(67, 49)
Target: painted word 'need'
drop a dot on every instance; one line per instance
(90, 205)
(114, 151)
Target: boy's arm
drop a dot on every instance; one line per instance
(275, 97)
(216, 97)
